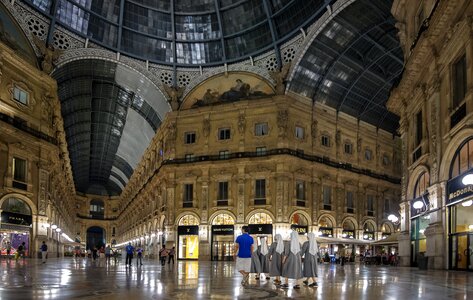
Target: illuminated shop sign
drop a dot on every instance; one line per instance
(368, 235)
(416, 208)
(326, 231)
(188, 230)
(17, 219)
(222, 229)
(260, 228)
(348, 234)
(457, 190)
(300, 229)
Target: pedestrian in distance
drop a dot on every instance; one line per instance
(243, 248)
(139, 257)
(163, 254)
(129, 254)
(171, 254)
(276, 251)
(310, 251)
(44, 252)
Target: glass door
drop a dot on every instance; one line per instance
(223, 248)
(462, 252)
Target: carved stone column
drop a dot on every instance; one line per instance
(240, 205)
(435, 231)
(204, 202)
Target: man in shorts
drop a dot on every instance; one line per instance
(243, 250)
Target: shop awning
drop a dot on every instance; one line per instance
(328, 240)
(390, 240)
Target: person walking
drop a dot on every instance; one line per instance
(44, 252)
(94, 253)
(275, 258)
(310, 251)
(255, 262)
(163, 254)
(342, 252)
(243, 249)
(264, 257)
(129, 254)
(108, 253)
(292, 261)
(139, 256)
(171, 254)
(21, 251)
(8, 250)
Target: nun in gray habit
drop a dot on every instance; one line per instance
(263, 252)
(275, 253)
(255, 262)
(292, 261)
(309, 252)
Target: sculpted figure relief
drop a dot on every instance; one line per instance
(49, 54)
(174, 94)
(280, 78)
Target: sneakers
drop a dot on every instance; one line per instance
(313, 284)
(245, 279)
(305, 282)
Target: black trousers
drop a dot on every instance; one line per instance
(169, 259)
(128, 259)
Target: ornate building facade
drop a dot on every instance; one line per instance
(434, 101)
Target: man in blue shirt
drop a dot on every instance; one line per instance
(129, 254)
(243, 249)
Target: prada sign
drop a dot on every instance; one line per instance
(326, 231)
(17, 219)
(188, 230)
(456, 190)
(260, 228)
(300, 229)
(222, 229)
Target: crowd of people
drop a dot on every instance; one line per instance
(282, 260)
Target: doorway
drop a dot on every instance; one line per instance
(461, 246)
(95, 237)
(223, 248)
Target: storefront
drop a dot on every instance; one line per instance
(188, 238)
(260, 225)
(460, 209)
(223, 238)
(15, 226)
(299, 223)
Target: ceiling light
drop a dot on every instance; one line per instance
(418, 204)
(393, 218)
(467, 203)
(467, 179)
(54, 226)
(422, 231)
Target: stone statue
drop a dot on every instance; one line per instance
(280, 78)
(172, 131)
(49, 54)
(313, 129)
(174, 94)
(210, 97)
(358, 145)
(283, 117)
(206, 127)
(241, 123)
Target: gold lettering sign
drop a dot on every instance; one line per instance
(460, 192)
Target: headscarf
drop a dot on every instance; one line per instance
(255, 245)
(280, 243)
(295, 246)
(264, 246)
(313, 247)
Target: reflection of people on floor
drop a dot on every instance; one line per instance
(240, 90)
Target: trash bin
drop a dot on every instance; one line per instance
(422, 261)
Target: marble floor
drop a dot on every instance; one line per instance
(70, 278)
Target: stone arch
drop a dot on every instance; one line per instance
(456, 141)
(260, 210)
(185, 213)
(34, 210)
(350, 219)
(371, 222)
(386, 224)
(413, 179)
(328, 216)
(303, 213)
(219, 212)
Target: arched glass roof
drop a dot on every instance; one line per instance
(185, 32)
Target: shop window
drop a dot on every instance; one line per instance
(224, 154)
(327, 197)
(189, 138)
(299, 132)
(463, 159)
(260, 192)
(15, 205)
(260, 218)
(260, 151)
(325, 140)
(350, 208)
(188, 195)
(222, 195)
(299, 219)
(19, 173)
(422, 183)
(223, 219)
(348, 148)
(348, 230)
(188, 220)
(224, 134)
(300, 193)
(261, 129)
(370, 205)
(20, 95)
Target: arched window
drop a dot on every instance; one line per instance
(368, 227)
(97, 209)
(260, 218)
(463, 159)
(299, 219)
(348, 229)
(422, 183)
(348, 225)
(223, 219)
(325, 222)
(188, 220)
(16, 205)
(385, 228)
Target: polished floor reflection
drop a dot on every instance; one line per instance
(81, 278)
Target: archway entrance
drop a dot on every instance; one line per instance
(95, 237)
(222, 237)
(16, 222)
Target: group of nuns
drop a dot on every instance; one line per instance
(284, 259)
